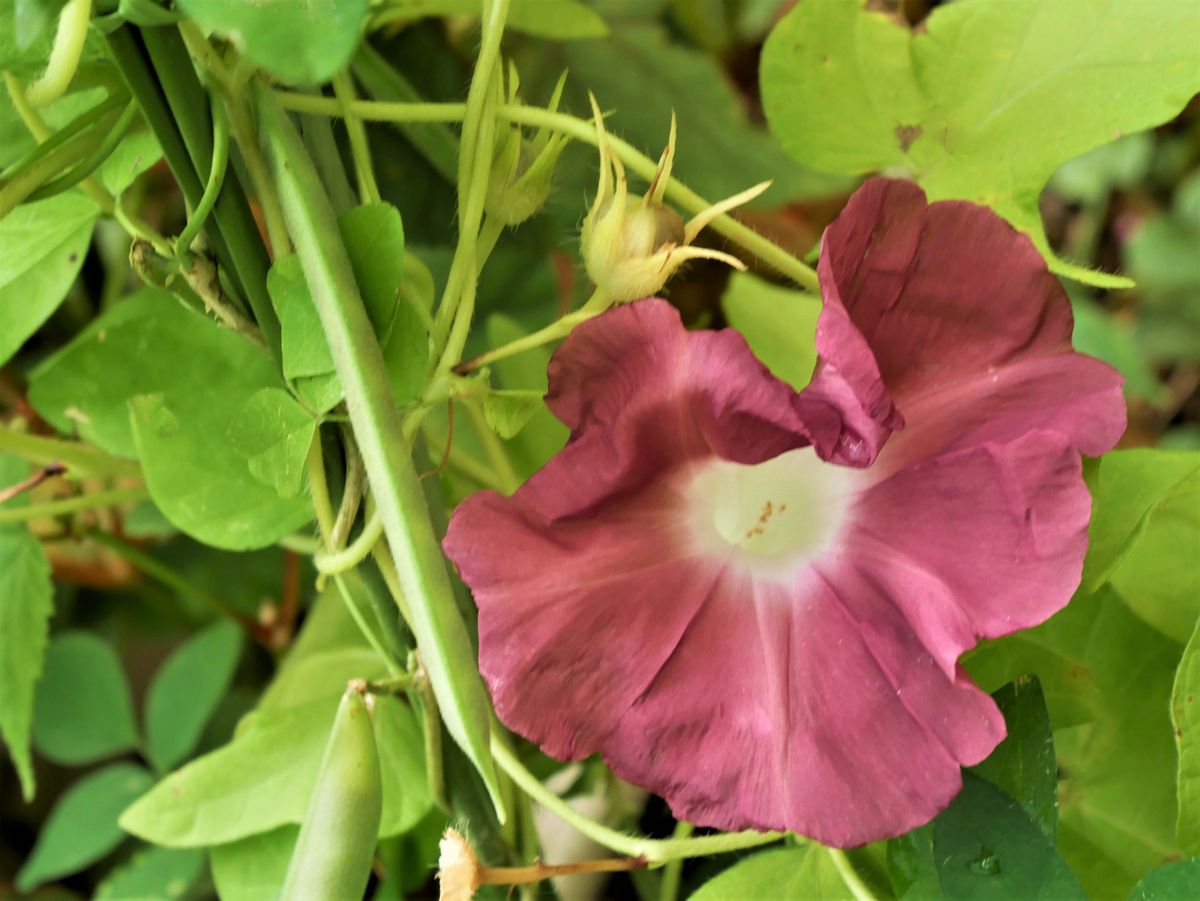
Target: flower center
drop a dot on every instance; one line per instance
(773, 517)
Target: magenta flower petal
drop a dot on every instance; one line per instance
(943, 317)
(765, 639)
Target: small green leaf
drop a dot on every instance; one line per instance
(42, 246)
(986, 101)
(779, 324)
(1023, 765)
(84, 711)
(26, 604)
(542, 436)
(187, 689)
(374, 237)
(253, 868)
(1178, 881)
(201, 483)
(162, 874)
(273, 433)
(82, 827)
(1147, 518)
(985, 846)
(507, 412)
(807, 873)
(299, 41)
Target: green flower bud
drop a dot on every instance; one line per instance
(633, 245)
(523, 168)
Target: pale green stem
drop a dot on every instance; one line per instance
(64, 55)
(850, 876)
(360, 150)
(474, 165)
(655, 851)
(216, 177)
(41, 133)
(318, 487)
(355, 552)
(372, 110)
(77, 504)
(583, 130)
(246, 136)
(79, 459)
(668, 890)
(300, 544)
(555, 331)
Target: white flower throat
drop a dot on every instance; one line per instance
(773, 517)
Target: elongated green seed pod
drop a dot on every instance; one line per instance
(333, 853)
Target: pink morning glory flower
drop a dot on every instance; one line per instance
(752, 601)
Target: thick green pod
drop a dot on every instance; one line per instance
(333, 853)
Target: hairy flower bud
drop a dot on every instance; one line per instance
(523, 168)
(633, 245)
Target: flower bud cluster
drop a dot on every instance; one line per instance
(633, 245)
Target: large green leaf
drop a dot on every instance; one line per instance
(201, 482)
(148, 343)
(187, 689)
(82, 827)
(305, 41)
(985, 846)
(807, 873)
(1117, 791)
(253, 868)
(986, 101)
(84, 709)
(1022, 767)
(778, 323)
(1147, 520)
(26, 603)
(42, 246)
(1117, 798)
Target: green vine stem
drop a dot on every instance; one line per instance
(360, 150)
(379, 430)
(656, 852)
(111, 132)
(858, 888)
(78, 504)
(80, 460)
(64, 55)
(457, 308)
(582, 130)
(216, 177)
